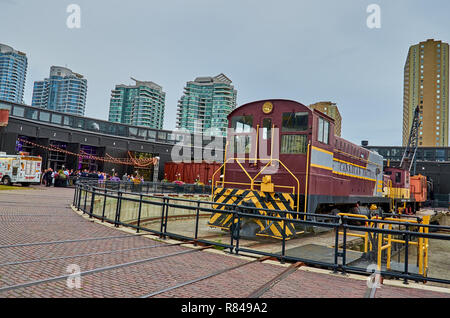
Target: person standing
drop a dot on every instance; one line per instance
(49, 177)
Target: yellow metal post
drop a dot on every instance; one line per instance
(224, 163)
(257, 141)
(380, 239)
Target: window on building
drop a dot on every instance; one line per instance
(44, 116)
(56, 119)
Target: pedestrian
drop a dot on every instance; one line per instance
(49, 177)
(44, 175)
(115, 178)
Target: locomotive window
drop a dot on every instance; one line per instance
(242, 124)
(323, 131)
(293, 144)
(398, 177)
(267, 128)
(293, 122)
(242, 144)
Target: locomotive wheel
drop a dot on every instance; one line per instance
(335, 212)
(248, 230)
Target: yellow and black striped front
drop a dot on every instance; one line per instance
(255, 199)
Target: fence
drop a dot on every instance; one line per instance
(147, 187)
(147, 210)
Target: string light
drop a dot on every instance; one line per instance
(139, 162)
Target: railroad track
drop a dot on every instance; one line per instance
(256, 293)
(101, 269)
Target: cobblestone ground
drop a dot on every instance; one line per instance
(44, 215)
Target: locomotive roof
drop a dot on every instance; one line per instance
(305, 108)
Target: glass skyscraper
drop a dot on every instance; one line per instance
(13, 72)
(141, 104)
(205, 105)
(64, 91)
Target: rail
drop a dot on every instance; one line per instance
(157, 214)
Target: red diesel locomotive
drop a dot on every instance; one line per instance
(282, 155)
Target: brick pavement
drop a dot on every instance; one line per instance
(43, 214)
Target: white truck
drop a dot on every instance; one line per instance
(21, 168)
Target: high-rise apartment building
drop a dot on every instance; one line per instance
(205, 105)
(141, 104)
(330, 109)
(13, 72)
(64, 91)
(426, 85)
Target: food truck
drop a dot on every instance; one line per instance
(21, 168)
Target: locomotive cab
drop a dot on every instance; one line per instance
(399, 182)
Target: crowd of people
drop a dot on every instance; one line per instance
(63, 177)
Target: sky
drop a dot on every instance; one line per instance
(307, 51)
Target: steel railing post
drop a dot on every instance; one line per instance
(162, 217)
(166, 217)
(196, 222)
(238, 234)
(85, 198)
(139, 213)
(91, 211)
(283, 246)
(232, 231)
(104, 205)
(79, 198)
(344, 245)
(116, 219)
(74, 196)
(336, 248)
(406, 253)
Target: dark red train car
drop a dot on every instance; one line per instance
(191, 172)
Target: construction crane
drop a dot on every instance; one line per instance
(409, 156)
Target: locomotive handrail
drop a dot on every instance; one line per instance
(355, 157)
(422, 244)
(364, 236)
(252, 180)
(247, 184)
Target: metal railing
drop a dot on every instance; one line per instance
(156, 213)
(147, 187)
